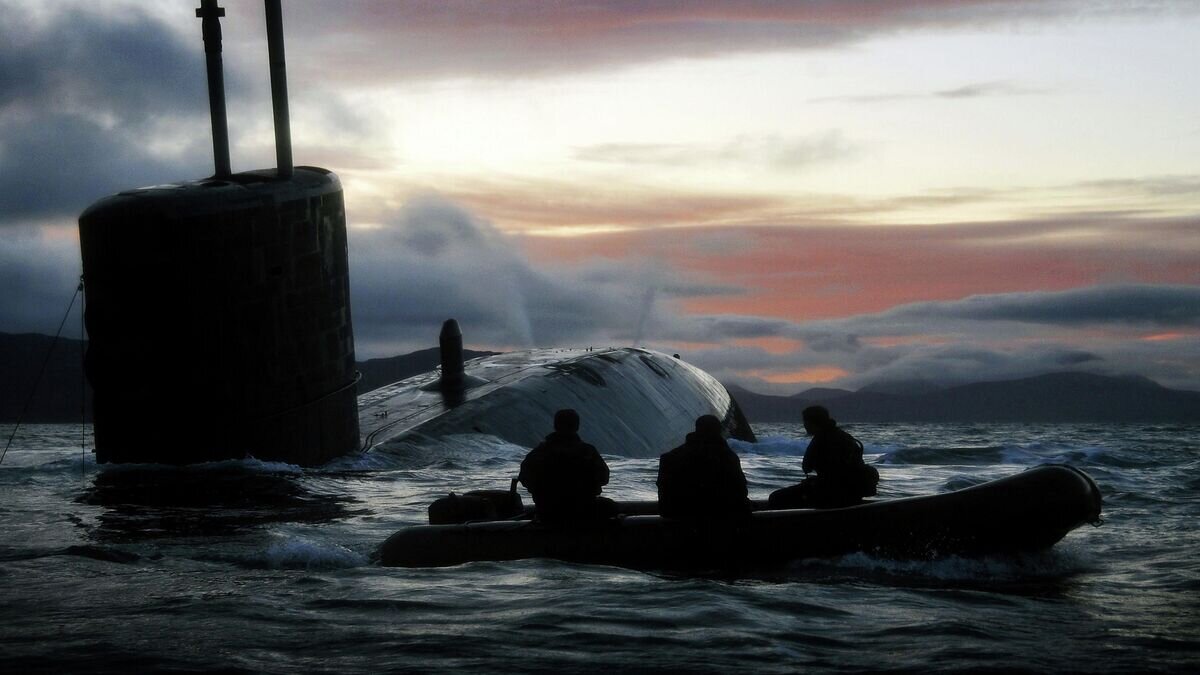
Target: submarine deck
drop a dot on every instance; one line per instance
(632, 401)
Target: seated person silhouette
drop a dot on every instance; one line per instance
(841, 478)
(702, 479)
(564, 475)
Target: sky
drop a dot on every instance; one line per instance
(787, 194)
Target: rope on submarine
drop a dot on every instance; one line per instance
(42, 372)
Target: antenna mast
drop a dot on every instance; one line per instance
(211, 13)
(279, 95)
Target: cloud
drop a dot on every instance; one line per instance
(522, 38)
(939, 364)
(820, 271)
(967, 359)
(1138, 328)
(563, 205)
(771, 151)
(967, 91)
(56, 165)
(91, 104)
(39, 269)
(125, 64)
(1159, 209)
(718, 328)
(1134, 304)
(995, 316)
(1153, 186)
(434, 260)
(1096, 292)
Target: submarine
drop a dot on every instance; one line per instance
(240, 281)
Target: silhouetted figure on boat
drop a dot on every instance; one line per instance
(841, 478)
(702, 478)
(564, 475)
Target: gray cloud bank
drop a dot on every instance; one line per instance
(434, 260)
(1095, 329)
(38, 276)
(1131, 304)
(92, 103)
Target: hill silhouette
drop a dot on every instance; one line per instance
(379, 372)
(1054, 397)
(61, 392)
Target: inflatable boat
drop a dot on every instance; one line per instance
(1028, 511)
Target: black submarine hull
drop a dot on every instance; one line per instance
(1025, 512)
(240, 285)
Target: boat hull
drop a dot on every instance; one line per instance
(1029, 511)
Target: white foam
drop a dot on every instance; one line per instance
(305, 554)
(259, 465)
(247, 464)
(1050, 563)
(770, 445)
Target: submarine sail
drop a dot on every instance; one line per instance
(238, 286)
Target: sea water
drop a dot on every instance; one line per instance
(253, 566)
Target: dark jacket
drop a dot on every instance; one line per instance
(836, 457)
(701, 479)
(563, 475)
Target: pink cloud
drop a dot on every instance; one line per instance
(390, 40)
(806, 273)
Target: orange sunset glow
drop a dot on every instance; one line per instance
(814, 375)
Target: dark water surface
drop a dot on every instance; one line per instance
(262, 567)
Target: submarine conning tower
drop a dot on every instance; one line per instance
(218, 310)
(450, 348)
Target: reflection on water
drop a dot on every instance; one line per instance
(158, 502)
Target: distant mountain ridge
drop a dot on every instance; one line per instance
(61, 394)
(1053, 397)
(380, 372)
(58, 396)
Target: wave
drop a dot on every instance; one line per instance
(771, 446)
(1063, 560)
(224, 466)
(1020, 455)
(11, 472)
(94, 552)
(923, 455)
(75, 467)
(415, 451)
(300, 553)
